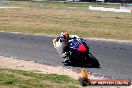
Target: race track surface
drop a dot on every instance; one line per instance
(115, 58)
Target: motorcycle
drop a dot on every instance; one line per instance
(75, 58)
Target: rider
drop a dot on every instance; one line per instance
(78, 46)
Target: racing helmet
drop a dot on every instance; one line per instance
(64, 36)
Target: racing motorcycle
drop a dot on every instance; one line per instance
(75, 57)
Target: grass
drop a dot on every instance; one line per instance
(54, 17)
(59, 4)
(28, 79)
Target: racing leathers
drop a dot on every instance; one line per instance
(75, 46)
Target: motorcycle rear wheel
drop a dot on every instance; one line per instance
(93, 61)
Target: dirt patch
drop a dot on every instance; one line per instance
(13, 63)
(17, 64)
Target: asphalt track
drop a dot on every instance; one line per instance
(115, 58)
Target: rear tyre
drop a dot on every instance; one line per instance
(93, 61)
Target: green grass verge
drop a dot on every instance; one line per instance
(29, 79)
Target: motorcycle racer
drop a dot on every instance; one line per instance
(65, 43)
